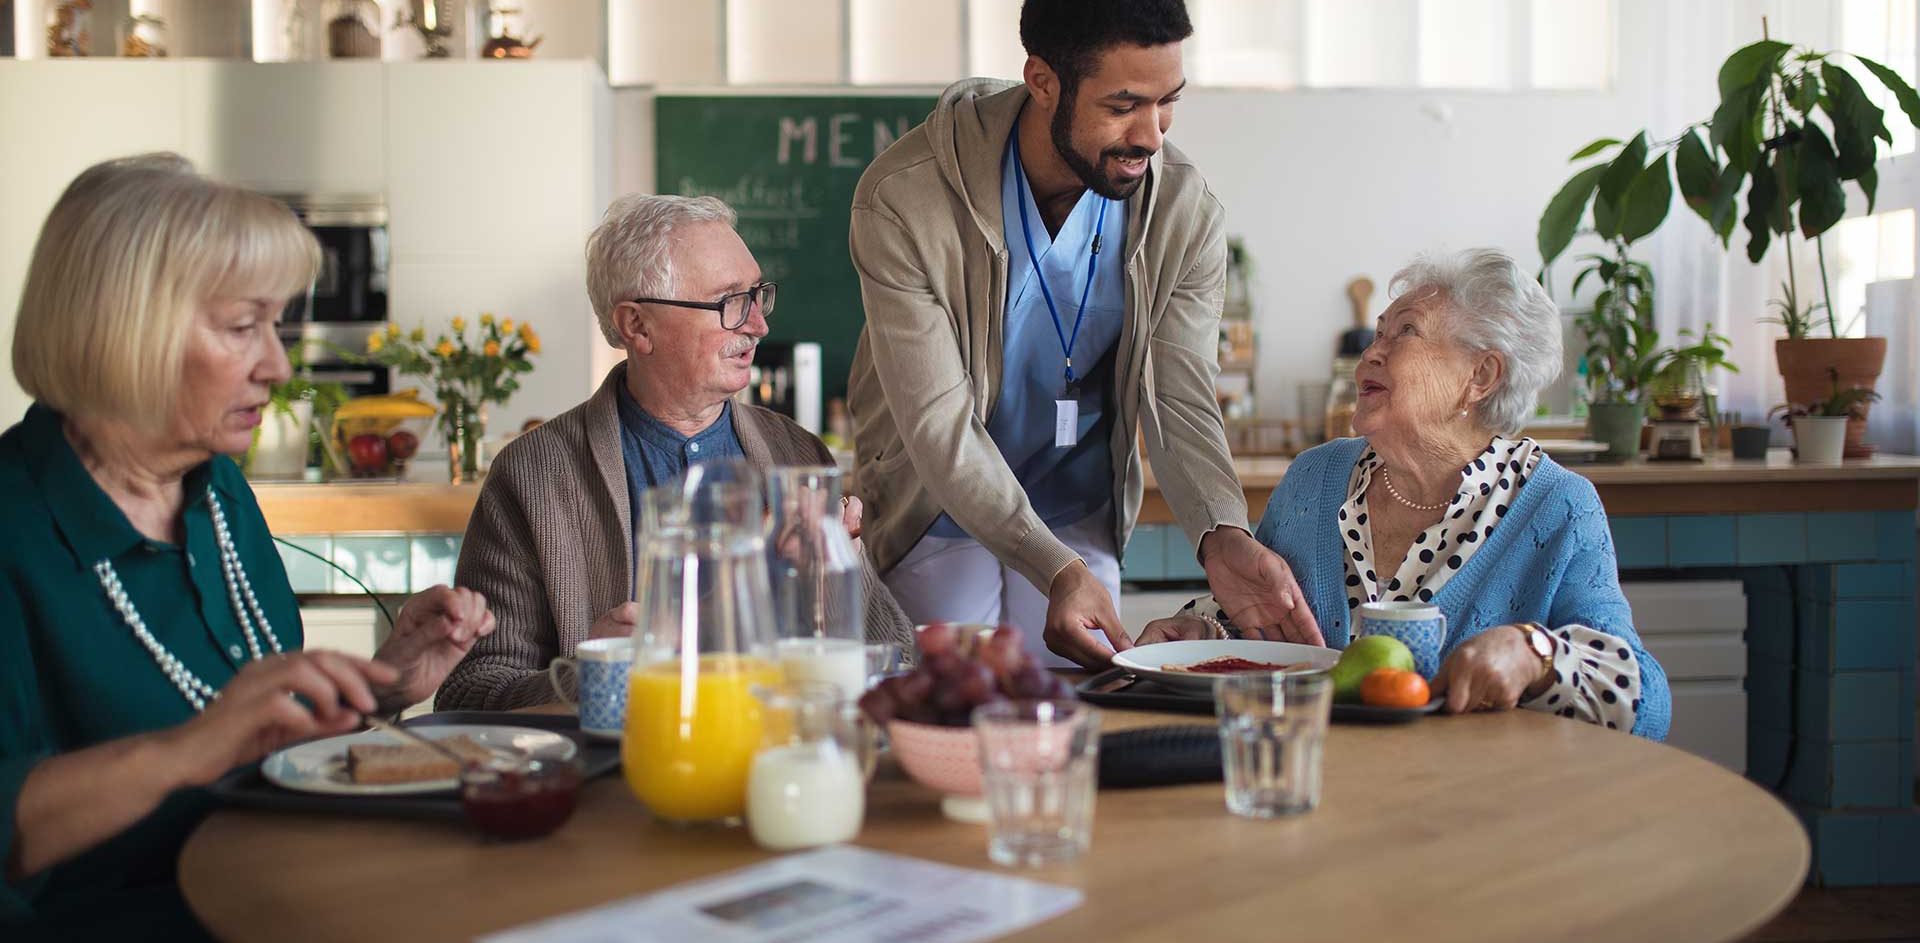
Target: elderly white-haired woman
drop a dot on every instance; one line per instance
(149, 639)
(1440, 501)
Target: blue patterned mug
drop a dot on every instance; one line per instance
(601, 666)
(1419, 625)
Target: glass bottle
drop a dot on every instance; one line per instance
(806, 787)
(69, 29)
(1343, 397)
(814, 570)
(703, 642)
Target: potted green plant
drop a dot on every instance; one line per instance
(289, 430)
(1681, 387)
(1623, 349)
(1820, 427)
(1799, 125)
(1629, 198)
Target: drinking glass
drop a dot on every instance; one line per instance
(1273, 729)
(806, 788)
(814, 571)
(1037, 763)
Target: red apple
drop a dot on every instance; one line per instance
(367, 452)
(402, 445)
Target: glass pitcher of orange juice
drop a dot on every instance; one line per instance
(703, 642)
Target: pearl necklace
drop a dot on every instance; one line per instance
(1387, 480)
(246, 609)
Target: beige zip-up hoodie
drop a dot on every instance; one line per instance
(927, 241)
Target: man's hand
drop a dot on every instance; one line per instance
(1079, 609)
(617, 622)
(1257, 589)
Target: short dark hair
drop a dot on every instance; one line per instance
(1069, 34)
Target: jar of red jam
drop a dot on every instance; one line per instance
(523, 800)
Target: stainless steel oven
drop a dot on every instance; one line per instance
(348, 300)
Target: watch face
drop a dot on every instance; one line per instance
(1541, 643)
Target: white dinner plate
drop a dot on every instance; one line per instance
(321, 765)
(1147, 661)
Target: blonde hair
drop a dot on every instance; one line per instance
(128, 256)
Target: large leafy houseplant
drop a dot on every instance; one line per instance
(1793, 127)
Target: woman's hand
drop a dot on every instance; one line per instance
(435, 630)
(1491, 671)
(1175, 629)
(276, 701)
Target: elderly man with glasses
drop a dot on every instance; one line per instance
(551, 541)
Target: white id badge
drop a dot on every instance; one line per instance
(1066, 423)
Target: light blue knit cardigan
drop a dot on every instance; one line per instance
(1550, 560)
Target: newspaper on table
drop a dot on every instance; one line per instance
(841, 894)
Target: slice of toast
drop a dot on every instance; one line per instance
(382, 764)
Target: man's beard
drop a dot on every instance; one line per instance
(1062, 133)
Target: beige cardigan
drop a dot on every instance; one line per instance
(927, 243)
(549, 545)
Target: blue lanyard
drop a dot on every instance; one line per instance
(1093, 262)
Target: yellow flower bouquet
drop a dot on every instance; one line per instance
(468, 370)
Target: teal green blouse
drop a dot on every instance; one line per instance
(73, 675)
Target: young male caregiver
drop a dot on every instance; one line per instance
(1042, 273)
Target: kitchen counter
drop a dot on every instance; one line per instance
(1718, 485)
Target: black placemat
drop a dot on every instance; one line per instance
(1116, 687)
(246, 788)
(1160, 756)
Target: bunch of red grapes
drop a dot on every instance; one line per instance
(958, 672)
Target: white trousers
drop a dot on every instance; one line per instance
(957, 579)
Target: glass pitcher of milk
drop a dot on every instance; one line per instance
(806, 787)
(814, 571)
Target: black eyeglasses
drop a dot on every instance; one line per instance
(733, 308)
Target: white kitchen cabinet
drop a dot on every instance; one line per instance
(295, 127)
(493, 161)
(1696, 630)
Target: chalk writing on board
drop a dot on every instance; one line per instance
(799, 139)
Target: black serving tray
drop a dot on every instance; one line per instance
(1117, 687)
(245, 788)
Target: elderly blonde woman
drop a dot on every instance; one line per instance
(551, 541)
(1439, 501)
(149, 640)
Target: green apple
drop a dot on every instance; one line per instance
(1363, 656)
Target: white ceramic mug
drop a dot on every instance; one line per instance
(601, 666)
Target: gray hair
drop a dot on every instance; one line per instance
(630, 254)
(1496, 307)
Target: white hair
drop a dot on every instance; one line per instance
(630, 254)
(1495, 307)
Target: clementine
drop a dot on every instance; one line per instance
(1393, 687)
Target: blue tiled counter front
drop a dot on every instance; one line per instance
(1827, 556)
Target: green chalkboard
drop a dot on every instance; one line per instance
(788, 165)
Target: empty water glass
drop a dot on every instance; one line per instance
(1038, 761)
(1273, 729)
(883, 659)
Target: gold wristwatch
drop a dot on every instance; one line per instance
(1541, 643)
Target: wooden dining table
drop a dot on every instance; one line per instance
(1514, 826)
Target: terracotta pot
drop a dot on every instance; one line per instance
(1808, 368)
